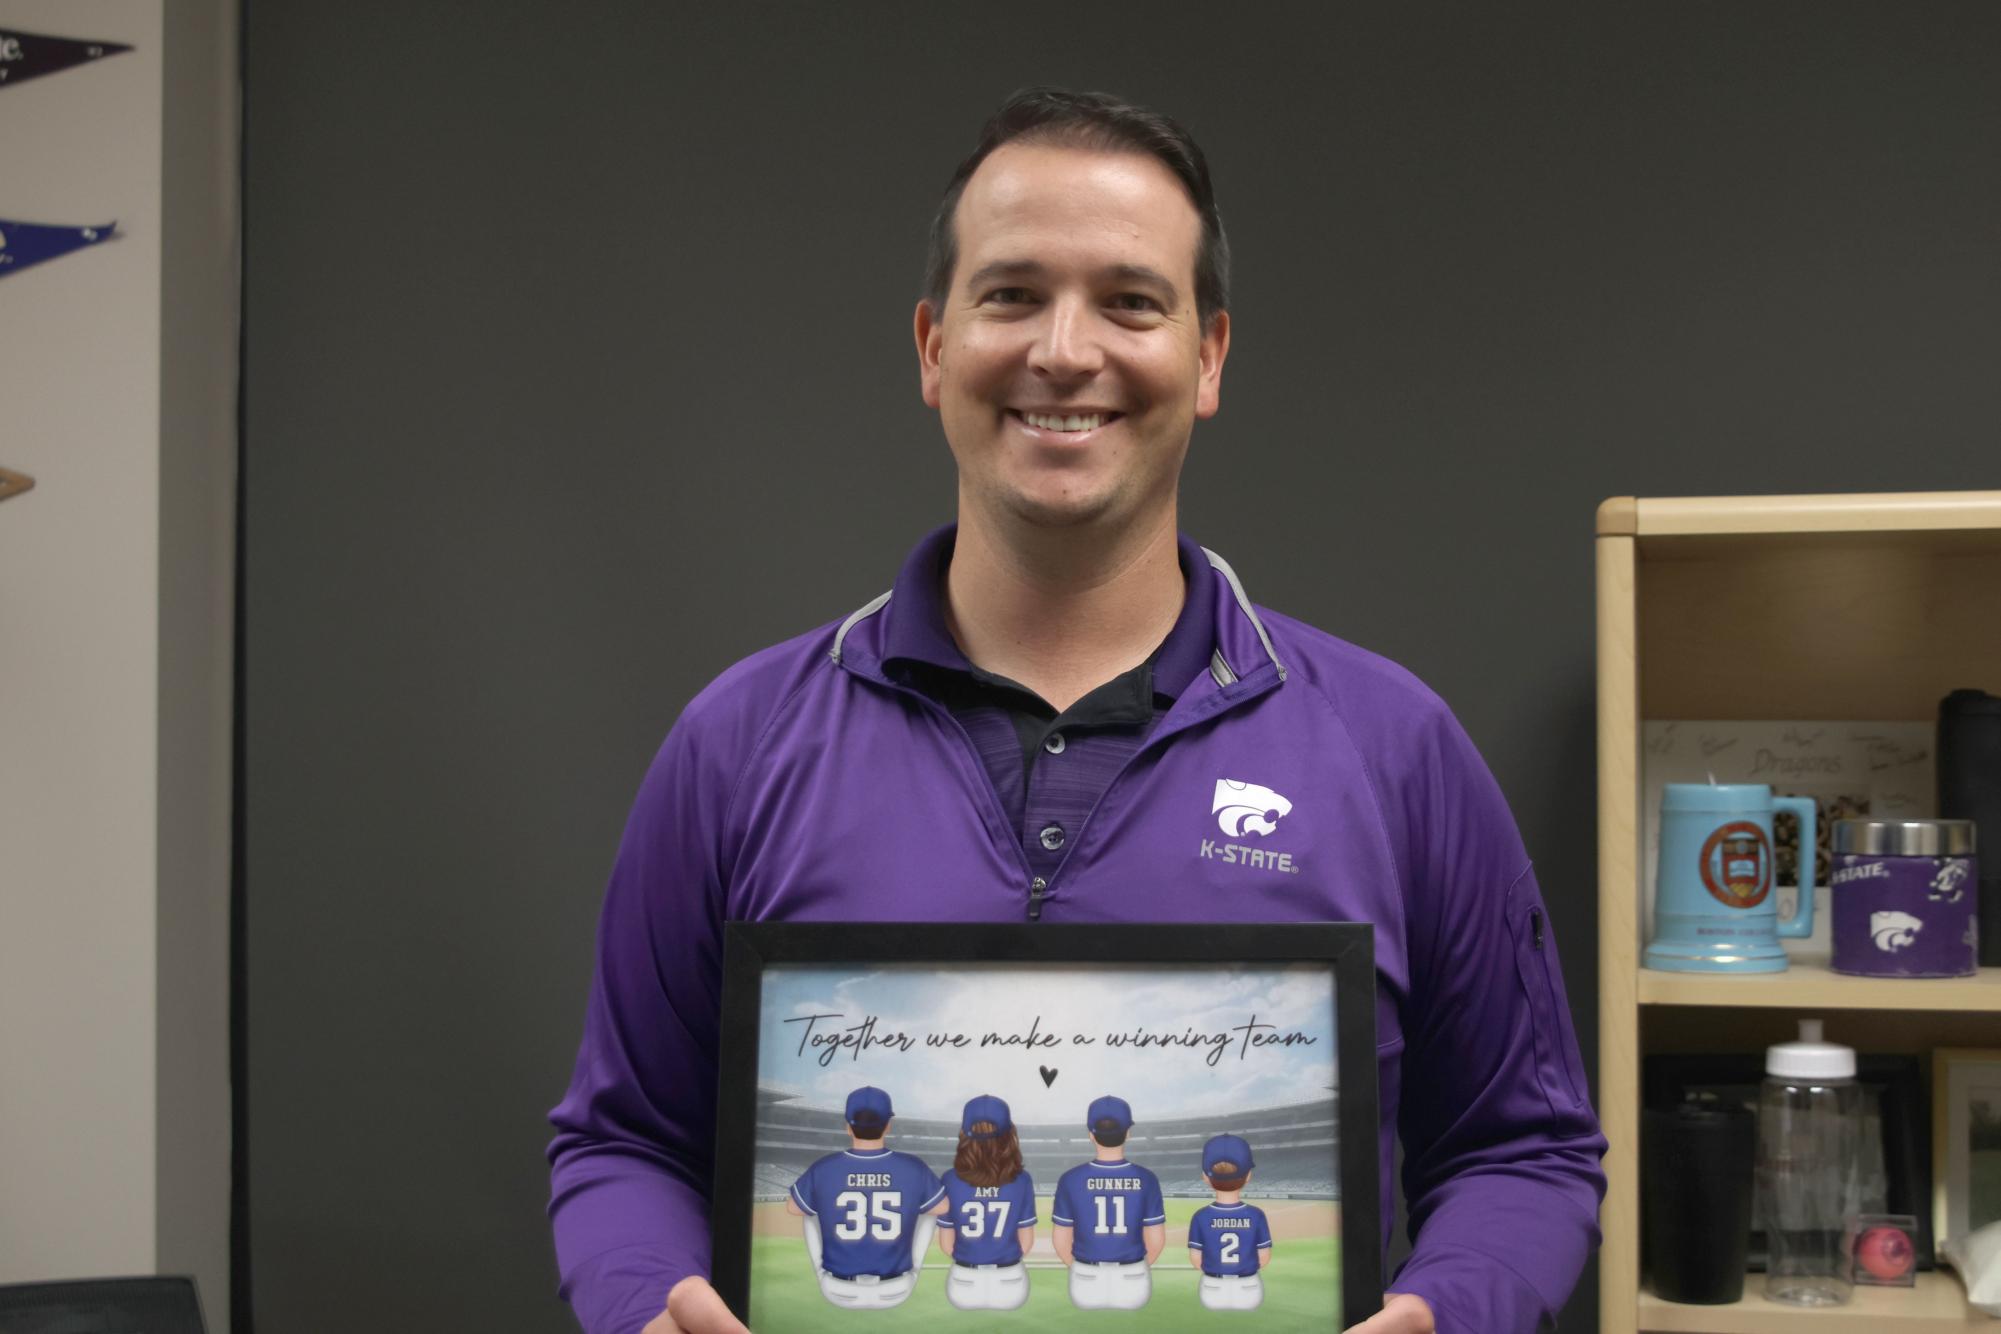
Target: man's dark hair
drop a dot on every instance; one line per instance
(868, 1127)
(1109, 1133)
(1104, 123)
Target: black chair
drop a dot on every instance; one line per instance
(102, 1306)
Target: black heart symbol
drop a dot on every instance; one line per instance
(1048, 1075)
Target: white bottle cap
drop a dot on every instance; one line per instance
(1811, 1057)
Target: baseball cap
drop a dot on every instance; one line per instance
(1109, 1108)
(986, 1107)
(869, 1101)
(1227, 1149)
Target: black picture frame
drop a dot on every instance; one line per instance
(1347, 950)
(1670, 1077)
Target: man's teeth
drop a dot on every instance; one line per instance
(1047, 423)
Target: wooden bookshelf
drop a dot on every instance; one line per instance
(1864, 607)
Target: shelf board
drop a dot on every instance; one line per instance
(1936, 1305)
(1712, 515)
(1810, 984)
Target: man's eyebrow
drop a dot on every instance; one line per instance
(1144, 276)
(1005, 269)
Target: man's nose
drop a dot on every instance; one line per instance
(1066, 345)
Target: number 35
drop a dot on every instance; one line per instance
(886, 1207)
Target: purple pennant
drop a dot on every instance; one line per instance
(29, 55)
(24, 244)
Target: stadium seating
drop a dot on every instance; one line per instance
(1296, 1146)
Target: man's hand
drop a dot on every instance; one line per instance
(693, 1307)
(1401, 1314)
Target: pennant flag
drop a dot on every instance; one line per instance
(23, 244)
(29, 55)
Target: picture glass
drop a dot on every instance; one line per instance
(1187, 1053)
(1974, 1145)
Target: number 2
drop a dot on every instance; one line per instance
(1229, 1248)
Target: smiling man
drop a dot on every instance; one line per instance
(1066, 711)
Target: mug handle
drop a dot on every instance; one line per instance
(1800, 924)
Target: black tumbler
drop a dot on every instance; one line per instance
(1696, 1174)
(1969, 788)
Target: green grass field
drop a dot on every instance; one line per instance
(1302, 1283)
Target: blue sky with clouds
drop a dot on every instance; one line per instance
(1212, 1003)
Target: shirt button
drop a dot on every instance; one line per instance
(1054, 745)
(1052, 837)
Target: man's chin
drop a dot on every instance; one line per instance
(1062, 513)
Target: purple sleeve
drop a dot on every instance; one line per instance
(1062, 1210)
(933, 1188)
(630, 1164)
(1501, 1147)
(1025, 1186)
(803, 1193)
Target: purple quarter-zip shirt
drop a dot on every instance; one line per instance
(814, 781)
(1047, 768)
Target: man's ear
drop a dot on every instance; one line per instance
(930, 342)
(1214, 348)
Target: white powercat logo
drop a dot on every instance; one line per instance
(1893, 930)
(1246, 808)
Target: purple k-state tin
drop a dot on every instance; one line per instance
(1905, 898)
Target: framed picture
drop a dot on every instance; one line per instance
(1896, 1137)
(1966, 1143)
(1019, 1126)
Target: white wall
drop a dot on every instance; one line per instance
(115, 633)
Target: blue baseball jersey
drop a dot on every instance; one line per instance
(984, 1219)
(867, 1204)
(1228, 1238)
(1107, 1205)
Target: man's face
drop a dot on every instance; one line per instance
(1073, 297)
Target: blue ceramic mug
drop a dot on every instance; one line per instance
(1714, 910)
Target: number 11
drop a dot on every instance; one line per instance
(1118, 1204)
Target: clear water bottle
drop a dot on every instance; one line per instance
(1809, 1157)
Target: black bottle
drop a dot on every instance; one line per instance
(1969, 788)
(1697, 1165)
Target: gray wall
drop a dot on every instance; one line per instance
(579, 366)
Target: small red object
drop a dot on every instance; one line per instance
(1885, 1252)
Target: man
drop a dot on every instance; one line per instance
(1228, 1240)
(1034, 725)
(867, 1211)
(1109, 1221)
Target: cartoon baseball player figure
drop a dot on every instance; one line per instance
(867, 1210)
(990, 1216)
(1110, 1223)
(1229, 1241)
